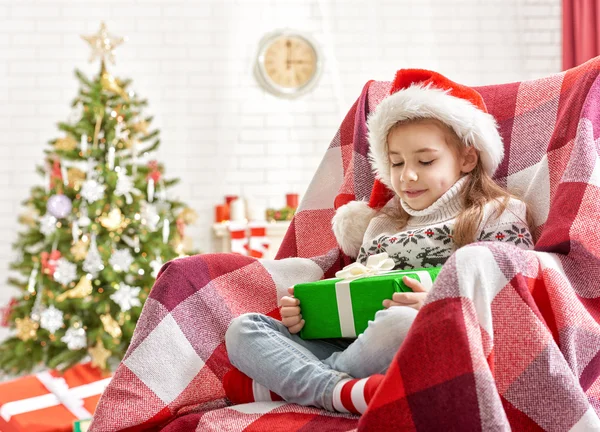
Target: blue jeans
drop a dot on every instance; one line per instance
(306, 371)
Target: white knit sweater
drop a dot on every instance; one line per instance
(427, 239)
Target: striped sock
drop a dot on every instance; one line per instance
(353, 395)
(240, 388)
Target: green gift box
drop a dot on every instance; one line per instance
(342, 308)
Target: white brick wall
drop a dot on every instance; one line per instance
(193, 61)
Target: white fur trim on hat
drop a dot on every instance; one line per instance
(350, 223)
(473, 126)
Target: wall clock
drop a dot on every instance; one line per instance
(288, 63)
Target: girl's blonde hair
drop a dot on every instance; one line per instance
(477, 192)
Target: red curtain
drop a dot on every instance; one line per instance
(581, 31)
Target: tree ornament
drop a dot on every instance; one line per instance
(81, 290)
(51, 319)
(79, 250)
(140, 127)
(99, 354)
(121, 133)
(150, 216)
(26, 328)
(6, 311)
(75, 231)
(59, 206)
(126, 297)
(48, 224)
(150, 190)
(110, 84)
(121, 260)
(93, 261)
(67, 143)
(32, 279)
(38, 307)
(56, 175)
(49, 262)
(113, 221)
(83, 220)
(111, 326)
(103, 44)
(76, 177)
(133, 243)
(125, 186)
(92, 191)
(75, 338)
(83, 143)
(110, 158)
(166, 231)
(65, 272)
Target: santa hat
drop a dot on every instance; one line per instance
(416, 94)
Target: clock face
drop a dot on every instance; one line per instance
(288, 64)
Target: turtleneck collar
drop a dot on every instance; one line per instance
(447, 207)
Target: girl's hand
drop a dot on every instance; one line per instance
(414, 299)
(290, 312)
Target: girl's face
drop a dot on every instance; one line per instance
(423, 165)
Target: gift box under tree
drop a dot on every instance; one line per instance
(51, 401)
(343, 306)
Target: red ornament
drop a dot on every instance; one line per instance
(6, 311)
(55, 174)
(49, 261)
(154, 173)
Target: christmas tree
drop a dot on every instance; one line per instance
(97, 231)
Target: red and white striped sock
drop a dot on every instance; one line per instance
(353, 395)
(240, 388)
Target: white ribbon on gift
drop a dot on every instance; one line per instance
(378, 264)
(60, 393)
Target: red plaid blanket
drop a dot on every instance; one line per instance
(508, 338)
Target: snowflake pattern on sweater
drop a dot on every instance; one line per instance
(427, 240)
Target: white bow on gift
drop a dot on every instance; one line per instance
(376, 264)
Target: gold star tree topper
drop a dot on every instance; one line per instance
(103, 44)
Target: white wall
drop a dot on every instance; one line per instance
(193, 60)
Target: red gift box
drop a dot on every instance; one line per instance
(50, 401)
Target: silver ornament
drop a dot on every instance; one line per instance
(92, 191)
(66, 272)
(150, 216)
(121, 260)
(83, 220)
(125, 186)
(75, 338)
(93, 261)
(59, 206)
(48, 224)
(126, 297)
(121, 133)
(51, 319)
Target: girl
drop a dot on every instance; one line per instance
(433, 148)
